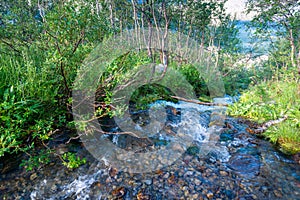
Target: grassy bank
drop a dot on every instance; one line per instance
(269, 101)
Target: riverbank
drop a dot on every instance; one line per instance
(271, 100)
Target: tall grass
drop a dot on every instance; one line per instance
(28, 75)
(27, 101)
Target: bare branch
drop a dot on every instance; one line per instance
(198, 102)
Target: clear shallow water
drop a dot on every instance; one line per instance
(236, 165)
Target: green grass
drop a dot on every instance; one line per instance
(29, 77)
(269, 101)
(28, 105)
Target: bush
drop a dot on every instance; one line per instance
(21, 123)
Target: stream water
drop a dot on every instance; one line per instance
(232, 165)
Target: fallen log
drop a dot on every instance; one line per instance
(198, 102)
(263, 127)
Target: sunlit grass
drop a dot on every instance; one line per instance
(270, 101)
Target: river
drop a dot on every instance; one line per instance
(232, 165)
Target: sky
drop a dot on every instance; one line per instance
(237, 7)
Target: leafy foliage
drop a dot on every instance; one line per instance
(36, 161)
(72, 161)
(20, 121)
(42, 45)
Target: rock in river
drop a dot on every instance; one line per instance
(244, 164)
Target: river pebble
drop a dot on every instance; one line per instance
(223, 173)
(33, 176)
(148, 181)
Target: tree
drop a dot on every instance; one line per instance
(284, 16)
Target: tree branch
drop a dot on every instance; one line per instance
(263, 127)
(198, 102)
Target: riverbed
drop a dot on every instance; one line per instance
(237, 165)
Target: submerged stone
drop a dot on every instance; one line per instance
(193, 150)
(248, 150)
(245, 165)
(226, 137)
